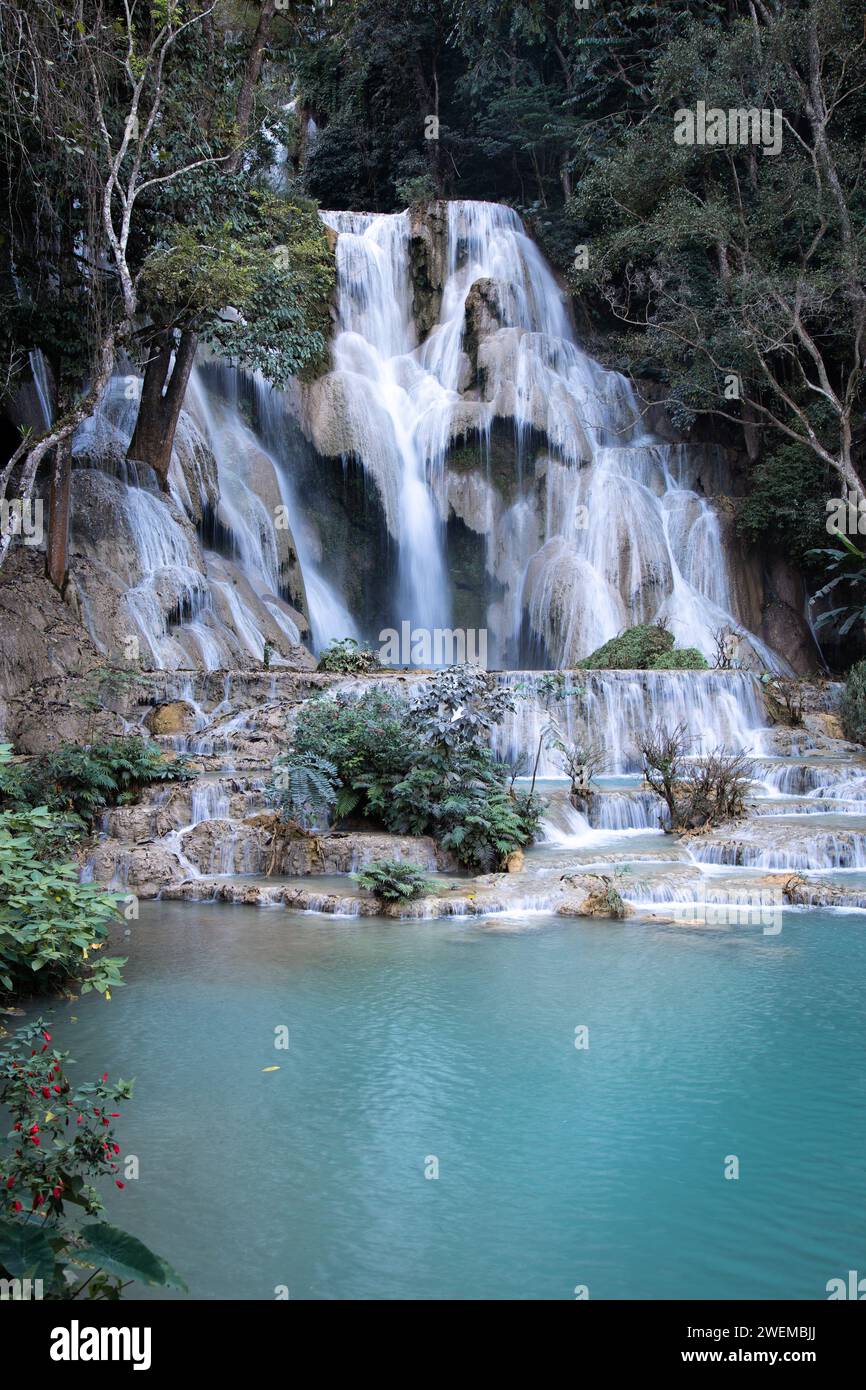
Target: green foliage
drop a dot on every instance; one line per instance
(635, 649)
(679, 659)
(853, 706)
(415, 191)
(724, 263)
(786, 502)
(82, 781)
(422, 764)
(303, 788)
(364, 739)
(394, 881)
(348, 658)
(61, 1143)
(52, 928)
(269, 259)
(845, 573)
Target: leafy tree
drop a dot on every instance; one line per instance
(740, 276)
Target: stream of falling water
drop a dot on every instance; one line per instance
(622, 533)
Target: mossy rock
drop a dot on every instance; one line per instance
(633, 650)
(680, 659)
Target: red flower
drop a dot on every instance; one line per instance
(118, 1183)
(46, 1036)
(10, 1182)
(58, 1191)
(16, 1206)
(46, 1091)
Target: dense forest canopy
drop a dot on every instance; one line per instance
(149, 206)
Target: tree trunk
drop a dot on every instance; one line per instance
(57, 559)
(250, 78)
(161, 401)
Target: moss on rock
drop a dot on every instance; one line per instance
(635, 649)
(680, 659)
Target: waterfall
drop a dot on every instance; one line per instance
(609, 526)
(390, 399)
(475, 406)
(717, 709)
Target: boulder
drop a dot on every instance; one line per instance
(591, 895)
(176, 717)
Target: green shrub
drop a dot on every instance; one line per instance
(633, 650)
(52, 927)
(364, 738)
(853, 706)
(393, 881)
(786, 502)
(347, 657)
(82, 781)
(303, 788)
(680, 659)
(61, 1141)
(421, 764)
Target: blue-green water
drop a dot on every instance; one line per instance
(557, 1167)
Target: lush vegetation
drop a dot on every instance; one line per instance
(348, 658)
(80, 781)
(394, 881)
(633, 650)
(415, 765)
(144, 213)
(853, 709)
(845, 580)
(61, 1143)
(680, 659)
(53, 929)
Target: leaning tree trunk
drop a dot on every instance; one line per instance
(57, 560)
(161, 401)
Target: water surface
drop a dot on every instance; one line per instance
(557, 1167)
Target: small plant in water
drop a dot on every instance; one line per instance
(393, 881)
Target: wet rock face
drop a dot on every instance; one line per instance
(346, 853)
(144, 869)
(428, 256)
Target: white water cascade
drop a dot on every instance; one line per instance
(608, 527)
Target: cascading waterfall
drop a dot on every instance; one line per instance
(621, 534)
(388, 397)
(615, 709)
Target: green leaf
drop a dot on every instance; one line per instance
(25, 1252)
(120, 1253)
